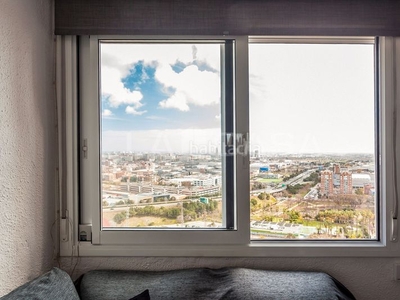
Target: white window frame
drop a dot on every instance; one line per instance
(90, 165)
(209, 243)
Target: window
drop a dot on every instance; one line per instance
(164, 151)
(313, 171)
(162, 164)
(281, 146)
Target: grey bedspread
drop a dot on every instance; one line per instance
(226, 283)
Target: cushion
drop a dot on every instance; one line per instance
(55, 284)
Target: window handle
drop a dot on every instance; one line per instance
(85, 148)
(64, 228)
(393, 234)
(242, 149)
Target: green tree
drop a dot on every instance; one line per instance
(120, 217)
(294, 189)
(290, 236)
(132, 212)
(262, 196)
(294, 216)
(313, 177)
(173, 212)
(359, 191)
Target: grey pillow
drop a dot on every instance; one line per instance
(55, 284)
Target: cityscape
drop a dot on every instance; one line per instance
(311, 117)
(303, 196)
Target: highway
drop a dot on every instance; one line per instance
(292, 181)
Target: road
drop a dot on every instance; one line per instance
(292, 181)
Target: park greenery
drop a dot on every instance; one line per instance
(349, 221)
(191, 211)
(131, 179)
(294, 174)
(294, 189)
(314, 177)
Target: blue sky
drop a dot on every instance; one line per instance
(157, 103)
(142, 78)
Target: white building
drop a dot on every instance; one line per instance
(359, 180)
(198, 181)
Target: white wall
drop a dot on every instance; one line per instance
(27, 140)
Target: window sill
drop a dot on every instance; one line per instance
(273, 249)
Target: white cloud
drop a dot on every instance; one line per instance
(115, 92)
(107, 113)
(191, 86)
(178, 101)
(122, 56)
(132, 111)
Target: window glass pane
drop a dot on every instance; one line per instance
(312, 133)
(161, 135)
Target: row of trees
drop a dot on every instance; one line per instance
(294, 174)
(361, 218)
(265, 202)
(131, 179)
(120, 202)
(336, 216)
(191, 211)
(294, 189)
(314, 177)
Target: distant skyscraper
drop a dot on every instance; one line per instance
(367, 189)
(326, 182)
(256, 154)
(336, 169)
(336, 175)
(346, 183)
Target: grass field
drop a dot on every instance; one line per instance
(265, 180)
